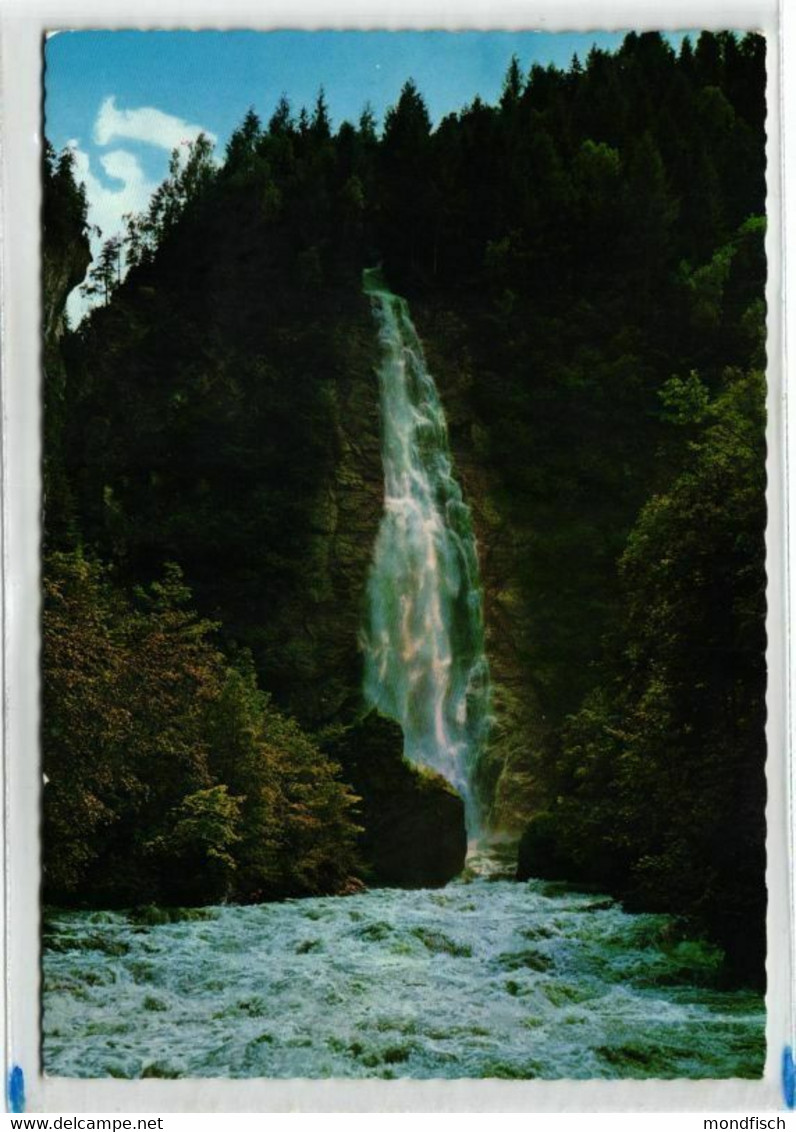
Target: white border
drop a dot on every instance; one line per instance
(21, 29)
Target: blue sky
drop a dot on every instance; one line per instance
(214, 76)
(124, 99)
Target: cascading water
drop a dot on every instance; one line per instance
(425, 664)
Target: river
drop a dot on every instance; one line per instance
(482, 978)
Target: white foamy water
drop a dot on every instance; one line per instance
(479, 979)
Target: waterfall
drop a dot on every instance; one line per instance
(425, 664)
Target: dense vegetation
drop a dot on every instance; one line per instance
(585, 262)
(170, 775)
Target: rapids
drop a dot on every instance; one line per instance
(483, 978)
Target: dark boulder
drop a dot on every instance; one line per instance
(414, 833)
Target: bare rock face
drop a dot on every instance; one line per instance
(414, 833)
(519, 735)
(311, 653)
(64, 263)
(64, 266)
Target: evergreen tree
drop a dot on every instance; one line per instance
(513, 85)
(281, 121)
(320, 124)
(106, 274)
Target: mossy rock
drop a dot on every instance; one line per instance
(151, 915)
(439, 943)
(414, 832)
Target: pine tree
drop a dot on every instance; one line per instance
(320, 124)
(513, 86)
(281, 121)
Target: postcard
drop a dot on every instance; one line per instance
(403, 569)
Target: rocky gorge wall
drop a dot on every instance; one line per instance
(413, 822)
(314, 645)
(519, 735)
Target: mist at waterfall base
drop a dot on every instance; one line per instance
(485, 978)
(425, 664)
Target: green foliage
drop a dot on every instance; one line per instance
(513, 85)
(201, 841)
(662, 784)
(106, 274)
(65, 209)
(242, 145)
(685, 400)
(298, 834)
(85, 726)
(170, 776)
(706, 285)
(187, 182)
(65, 257)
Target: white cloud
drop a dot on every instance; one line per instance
(144, 124)
(107, 204)
(123, 166)
(129, 190)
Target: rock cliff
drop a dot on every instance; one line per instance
(519, 736)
